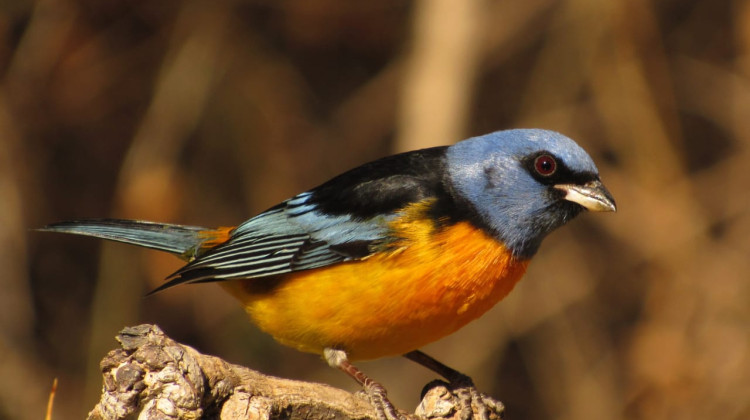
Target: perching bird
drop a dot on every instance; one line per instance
(389, 256)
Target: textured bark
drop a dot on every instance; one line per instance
(153, 377)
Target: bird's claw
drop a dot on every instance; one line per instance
(383, 407)
(439, 398)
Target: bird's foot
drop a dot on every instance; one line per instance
(384, 408)
(439, 398)
(375, 392)
(472, 404)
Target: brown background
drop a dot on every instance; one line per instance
(207, 112)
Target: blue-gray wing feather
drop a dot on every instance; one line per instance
(285, 239)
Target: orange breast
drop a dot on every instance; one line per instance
(393, 302)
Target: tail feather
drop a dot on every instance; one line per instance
(176, 239)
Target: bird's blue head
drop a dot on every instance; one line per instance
(523, 184)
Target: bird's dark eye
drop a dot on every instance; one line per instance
(545, 165)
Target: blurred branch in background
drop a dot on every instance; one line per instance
(149, 179)
(439, 77)
(16, 310)
(209, 112)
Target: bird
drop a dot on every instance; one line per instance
(391, 255)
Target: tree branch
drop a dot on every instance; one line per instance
(153, 377)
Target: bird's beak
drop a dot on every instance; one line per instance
(591, 195)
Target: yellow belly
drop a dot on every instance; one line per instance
(390, 303)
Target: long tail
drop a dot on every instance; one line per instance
(182, 241)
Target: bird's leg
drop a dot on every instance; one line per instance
(463, 386)
(375, 391)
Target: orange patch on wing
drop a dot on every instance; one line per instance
(426, 285)
(214, 237)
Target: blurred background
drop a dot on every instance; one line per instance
(207, 112)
